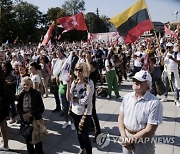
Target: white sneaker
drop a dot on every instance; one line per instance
(65, 125)
(164, 99)
(72, 127)
(108, 97)
(2, 148)
(177, 103)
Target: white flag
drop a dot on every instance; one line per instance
(65, 69)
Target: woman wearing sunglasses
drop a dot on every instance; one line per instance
(79, 94)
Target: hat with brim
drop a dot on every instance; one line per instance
(143, 76)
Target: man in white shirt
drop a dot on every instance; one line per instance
(56, 70)
(140, 114)
(171, 72)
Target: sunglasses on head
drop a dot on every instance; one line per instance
(137, 82)
(78, 69)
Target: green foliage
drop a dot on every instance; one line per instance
(28, 17)
(24, 20)
(7, 20)
(54, 13)
(96, 24)
(74, 6)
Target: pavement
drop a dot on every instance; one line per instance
(65, 140)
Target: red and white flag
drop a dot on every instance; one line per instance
(48, 34)
(75, 22)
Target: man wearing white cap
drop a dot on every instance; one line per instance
(140, 114)
(171, 72)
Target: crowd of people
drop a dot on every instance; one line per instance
(27, 74)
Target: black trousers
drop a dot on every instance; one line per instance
(58, 106)
(94, 117)
(34, 149)
(83, 138)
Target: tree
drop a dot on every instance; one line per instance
(54, 13)
(74, 6)
(97, 24)
(28, 18)
(7, 21)
(105, 23)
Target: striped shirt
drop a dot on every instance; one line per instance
(137, 113)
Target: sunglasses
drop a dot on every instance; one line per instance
(78, 70)
(137, 82)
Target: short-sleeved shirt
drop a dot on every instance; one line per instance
(36, 78)
(107, 65)
(57, 66)
(138, 113)
(170, 64)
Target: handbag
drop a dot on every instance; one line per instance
(160, 87)
(39, 132)
(26, 130)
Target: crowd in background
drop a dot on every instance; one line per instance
(99, 62)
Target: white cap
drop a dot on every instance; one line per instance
(143, 76)
(169, 44)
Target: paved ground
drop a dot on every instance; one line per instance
(65, 141)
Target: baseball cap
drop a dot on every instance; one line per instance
(143, 76)
(169, 44)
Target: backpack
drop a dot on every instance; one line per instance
(102, 92)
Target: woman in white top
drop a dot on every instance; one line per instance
(79, 93)
(111, 75)
(34, 67)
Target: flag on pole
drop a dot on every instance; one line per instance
(75, 22)
(169, 32)
(15, 41)
(48, 34)
(7, 42)
(65, 70)
(133, 22)
(146, 62)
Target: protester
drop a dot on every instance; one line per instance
(155, 74)
(140, 114)
(111, 76)
(34, 67)
(11, 81)
(80, 93)
(56, 69)
(30, 107)
(4, 106)
(171, 72)
(93, 69)
(99, 55)
(45, 74)
(65, 104)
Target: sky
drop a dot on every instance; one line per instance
(159, 10)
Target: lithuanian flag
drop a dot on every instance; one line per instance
(133, 22)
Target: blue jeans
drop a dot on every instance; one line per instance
(65, 107)
(166, 81)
